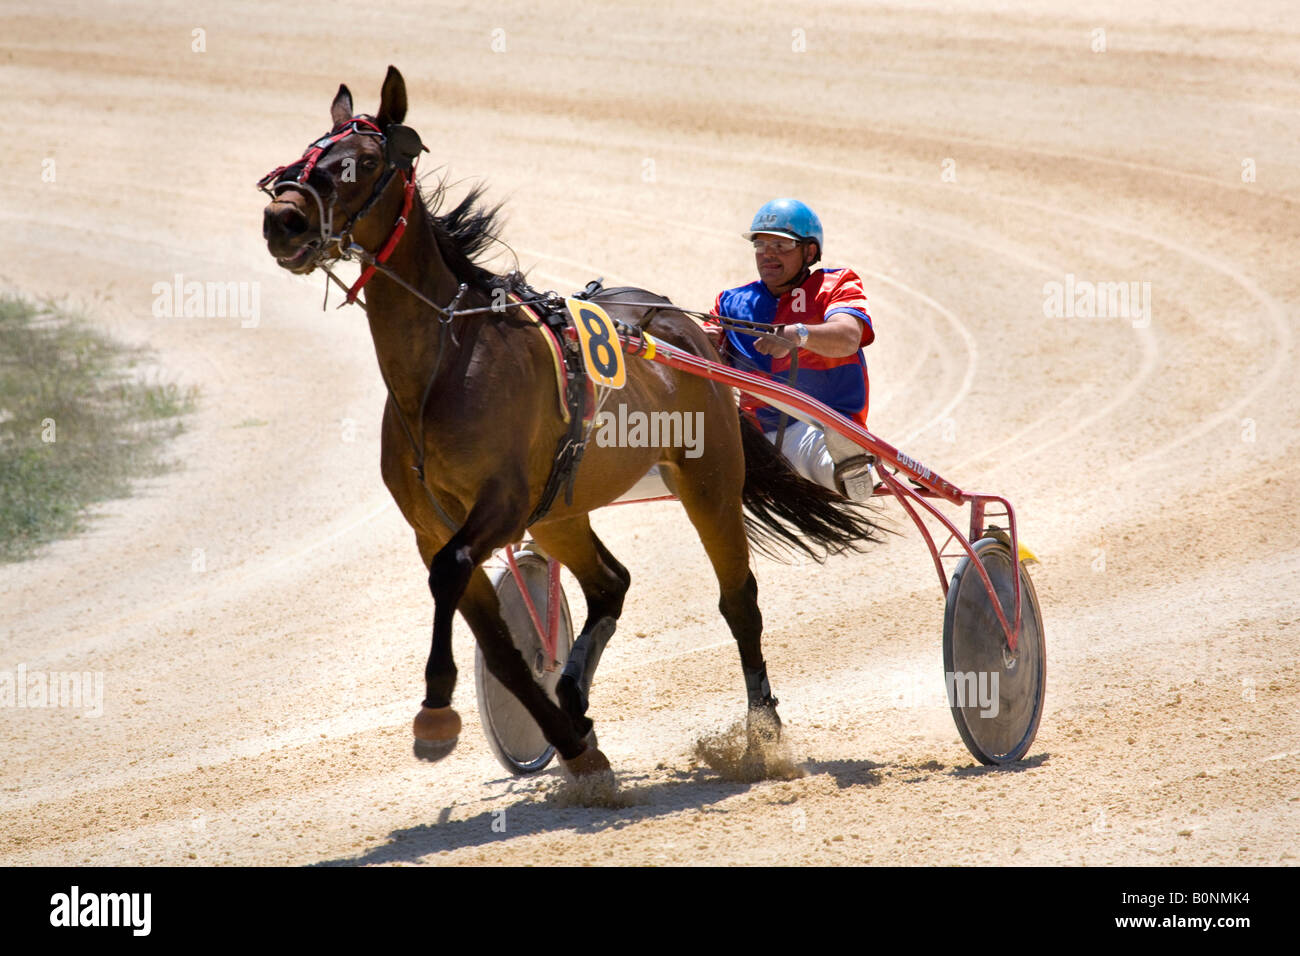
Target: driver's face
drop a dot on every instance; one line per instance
(777, 269)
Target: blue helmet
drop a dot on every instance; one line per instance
(787, 217)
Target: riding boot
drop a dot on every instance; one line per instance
(853, 477)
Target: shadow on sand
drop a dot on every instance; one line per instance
(537, 811)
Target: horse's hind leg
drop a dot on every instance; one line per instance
(482, 612)
(604, 583)
(712, 503)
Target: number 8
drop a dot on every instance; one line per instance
(606, 364)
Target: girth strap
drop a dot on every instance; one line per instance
(572, 444)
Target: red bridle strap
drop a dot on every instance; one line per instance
(394, 237)
(316, 150)
(313, 154)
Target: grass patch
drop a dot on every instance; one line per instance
(78, 421)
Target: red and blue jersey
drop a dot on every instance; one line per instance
(840, 383)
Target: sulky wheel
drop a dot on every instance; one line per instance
(996, 697)
(514, 736)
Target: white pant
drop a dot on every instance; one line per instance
(804, 447)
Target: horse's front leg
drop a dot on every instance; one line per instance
(489, 525)
(437, 725)
(458, 583)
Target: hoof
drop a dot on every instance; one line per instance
(436, 723)
(436, 731)
(764, 726)
(590, 763)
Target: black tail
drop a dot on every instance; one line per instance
(786, 511)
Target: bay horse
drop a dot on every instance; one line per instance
(472, 423)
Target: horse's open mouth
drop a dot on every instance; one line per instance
(302, 260)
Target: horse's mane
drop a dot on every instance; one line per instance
(463, 232)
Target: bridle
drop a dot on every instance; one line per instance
(402, 148)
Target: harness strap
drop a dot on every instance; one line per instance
(573, 443)
(316, 150)
(399, 229)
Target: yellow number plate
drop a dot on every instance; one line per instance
(602, 352)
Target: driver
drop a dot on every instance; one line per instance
(823, 315)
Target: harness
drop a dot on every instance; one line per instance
(402, 148)
(577, 405)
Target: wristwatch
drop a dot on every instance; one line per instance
(801, 330)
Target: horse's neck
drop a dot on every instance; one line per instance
(406, 331)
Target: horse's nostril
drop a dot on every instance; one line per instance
(284, 223)
(295, 222)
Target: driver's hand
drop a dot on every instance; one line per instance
(778, 345)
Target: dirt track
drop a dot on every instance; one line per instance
(257, 710)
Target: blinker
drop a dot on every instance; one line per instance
(402, 145)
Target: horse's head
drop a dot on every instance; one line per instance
(350, 186)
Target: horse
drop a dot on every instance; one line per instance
(472, 424)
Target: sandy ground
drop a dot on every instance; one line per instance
(260, 616)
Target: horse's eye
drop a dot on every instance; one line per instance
(369, 163)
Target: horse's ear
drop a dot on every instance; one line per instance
(341, 108)
(392, 102)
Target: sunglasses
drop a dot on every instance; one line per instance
(779, 246)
